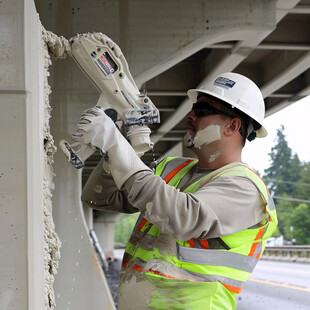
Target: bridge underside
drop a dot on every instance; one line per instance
(177, 45)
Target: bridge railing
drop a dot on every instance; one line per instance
(293, 253)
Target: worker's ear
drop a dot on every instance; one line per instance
(232, 126)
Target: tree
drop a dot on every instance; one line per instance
(282, 178)
(124, 226)
(303, 188)
(300, 220)
(294, 173)
(284, 211)
(284, 169)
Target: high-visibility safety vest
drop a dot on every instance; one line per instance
(198, 274)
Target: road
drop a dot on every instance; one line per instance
(277, 285)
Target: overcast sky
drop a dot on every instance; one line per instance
(296, 120)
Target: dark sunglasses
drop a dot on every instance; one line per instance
(204, 109)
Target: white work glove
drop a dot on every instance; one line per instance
(97, 129)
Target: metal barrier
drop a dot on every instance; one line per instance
(292, 253)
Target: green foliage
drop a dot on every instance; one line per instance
(288, 179)
(300, 221)
(284, 210)
(124, 226)
(284, 166)
(303, 191)
(277, 233)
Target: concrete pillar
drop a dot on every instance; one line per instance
(104, 223)
(80, 283)
(22, 158)
(29, 243)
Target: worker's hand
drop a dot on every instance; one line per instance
(97, 129)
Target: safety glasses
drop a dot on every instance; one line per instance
(204, 109)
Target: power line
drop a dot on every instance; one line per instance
(288, 182)
(291, 199)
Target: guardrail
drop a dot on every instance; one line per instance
(292, 253)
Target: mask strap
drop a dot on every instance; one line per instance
(251, 132)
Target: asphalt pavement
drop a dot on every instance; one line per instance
(112, 274)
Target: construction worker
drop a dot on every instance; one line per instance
(204, 223)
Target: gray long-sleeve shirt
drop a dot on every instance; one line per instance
(224, 206)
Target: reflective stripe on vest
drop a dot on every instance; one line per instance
(177, 168)
(195, 259)
(144, 262)
(217, 258)
(179, 163)
(149, 268)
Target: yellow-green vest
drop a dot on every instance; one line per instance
(209, 272)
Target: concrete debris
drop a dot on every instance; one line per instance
(52, 242)
(58, 46)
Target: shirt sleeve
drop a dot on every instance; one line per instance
(100, 193)
(224, 206)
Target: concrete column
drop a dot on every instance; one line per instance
(104, 223)
(22, 158)
(29, 244)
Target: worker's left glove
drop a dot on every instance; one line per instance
(97, 129)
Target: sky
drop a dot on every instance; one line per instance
(295, 119)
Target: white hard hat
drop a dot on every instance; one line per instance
(240, 92)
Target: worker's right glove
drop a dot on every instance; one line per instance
(97, 129)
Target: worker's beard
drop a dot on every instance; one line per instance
(203, 137)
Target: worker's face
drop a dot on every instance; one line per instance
(204, 123)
